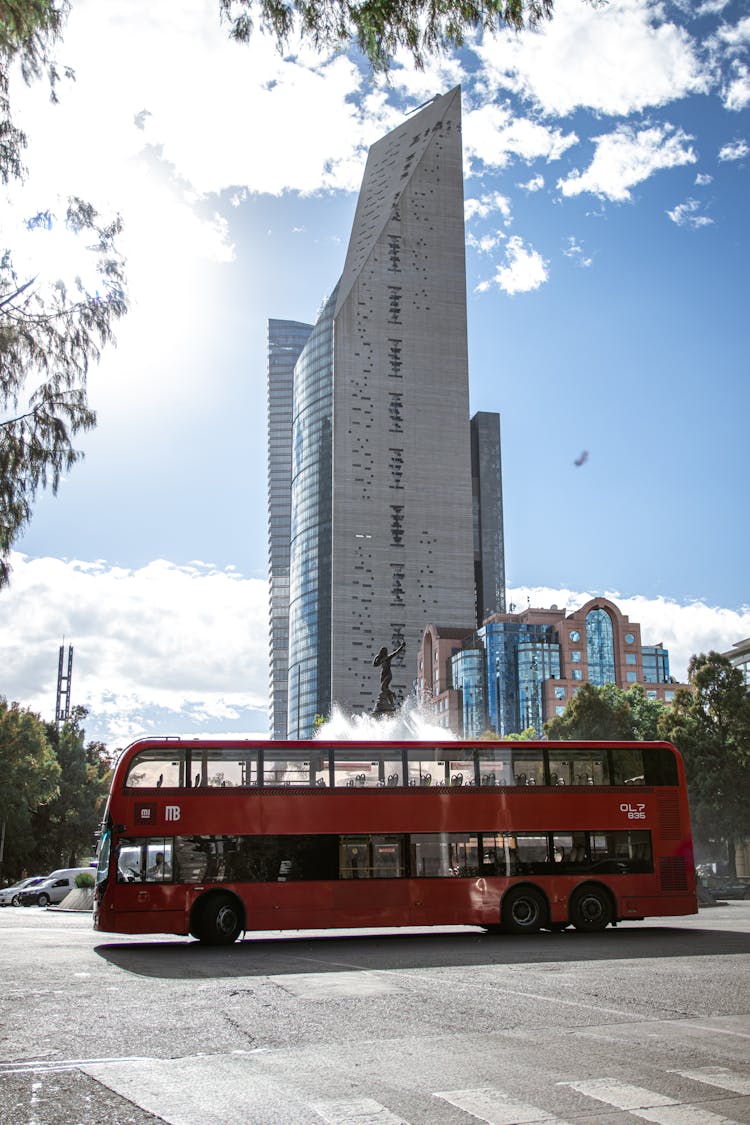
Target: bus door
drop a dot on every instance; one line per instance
(372, 889)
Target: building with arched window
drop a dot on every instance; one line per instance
(520, 669)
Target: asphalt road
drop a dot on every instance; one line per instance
(646, 1022)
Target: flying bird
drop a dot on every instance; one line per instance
(582, 459)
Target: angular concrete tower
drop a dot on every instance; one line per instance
(381, 535)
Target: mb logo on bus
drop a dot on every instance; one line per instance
(172, 812)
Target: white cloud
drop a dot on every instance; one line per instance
(164, 649)
(493, 135)
(703, 179)
(686, 215)
(573, 249)
(536, 183)
(523, 270)
(685, 630)
(737, 92)
(616, 59)
(172, 649)
(627, 157)
(486, 205)
(737, 150)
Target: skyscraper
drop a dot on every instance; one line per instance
(381, 481)
(489, 538)
(286, 339)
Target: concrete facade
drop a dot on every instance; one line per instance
(381, 491)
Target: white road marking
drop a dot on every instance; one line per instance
(646, 1104)
(50, 1066)
(719, 1076)
(357, 1111)
(496, 1108)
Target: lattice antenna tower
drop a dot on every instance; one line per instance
(64, 679)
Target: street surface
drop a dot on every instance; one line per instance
(646, 1022)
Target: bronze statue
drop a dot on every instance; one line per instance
(386, 700)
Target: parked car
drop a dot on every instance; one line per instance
(54, 888)
(9, 896)
(729, 888)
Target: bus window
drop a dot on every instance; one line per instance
(290, 767)
(426, 766)
(495, 766)
(444, 854)
(589, 767)
(519, 853)
(160, 767)
(387, 857)
(569, 850)
(528, 767)
(352, 771)
(627, 765)
(561, 767)
(141, 861)
(354, 857)
(222, 767)
(659, 766)
(621, 852)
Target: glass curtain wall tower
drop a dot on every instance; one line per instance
(286, 339)
(381, 483)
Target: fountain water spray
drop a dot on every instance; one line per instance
(409, 723)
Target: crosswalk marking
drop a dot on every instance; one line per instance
(358, 1111)
(496, 1108)
(719, 1076)
(646, 1104)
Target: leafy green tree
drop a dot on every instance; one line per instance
(50, 333)
(710, 725)
(29, 778)
(610, 713)
(593, 713)
(381, 27)
(64, 827)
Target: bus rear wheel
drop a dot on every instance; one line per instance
(591, 909)
(219, 921)
(524, 911)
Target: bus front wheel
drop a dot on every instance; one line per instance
(524, 911)
(591, 909)
(218, 920)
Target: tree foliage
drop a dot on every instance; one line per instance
(50, 332)
(53, 786)
(710, 725)
(29, 777)
(64, 828)
(380, 27)
(607, 712)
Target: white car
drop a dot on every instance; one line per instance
(9, 895)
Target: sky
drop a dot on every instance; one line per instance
(607, 176)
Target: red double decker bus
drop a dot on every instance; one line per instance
(217, 838)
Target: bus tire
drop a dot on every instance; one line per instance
(524, 910)
(218, 920)
(591, 909)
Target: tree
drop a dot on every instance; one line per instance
(608, 712)
(381, 27)
(29, 777)
(710, 725)
(50, 332)
(64, 828)
(593, 713)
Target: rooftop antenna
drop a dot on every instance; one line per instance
(62, 706)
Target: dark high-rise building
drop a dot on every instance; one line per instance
(489, 540)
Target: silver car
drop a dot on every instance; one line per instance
(9, 895)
